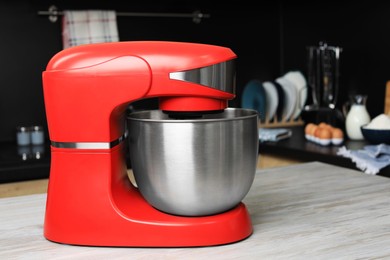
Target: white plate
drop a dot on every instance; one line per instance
(299, 81)
(272, 99)
(280, 109)
(290, 100)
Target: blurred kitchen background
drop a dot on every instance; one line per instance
(269, 37)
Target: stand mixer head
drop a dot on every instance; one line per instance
(87, 90)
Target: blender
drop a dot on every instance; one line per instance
(323, 75)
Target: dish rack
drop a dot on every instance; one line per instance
(281, 123)
(288, 91)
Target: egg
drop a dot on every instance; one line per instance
(337, 136)
(312, 132)
(309, 130)
(337, 133)
(323, 124)
(324, 135)
(326, 125)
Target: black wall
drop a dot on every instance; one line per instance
(362, 29)
(269, 39)
(29, 41)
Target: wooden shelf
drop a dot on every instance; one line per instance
(387, 99)
(275, 123)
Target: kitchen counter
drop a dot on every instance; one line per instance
(298, 148)
(303, 211)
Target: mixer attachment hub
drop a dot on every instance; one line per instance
(182, 115)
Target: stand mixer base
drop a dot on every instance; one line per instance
(112, 212)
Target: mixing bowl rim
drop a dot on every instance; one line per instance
(364, 127)
(253, 112)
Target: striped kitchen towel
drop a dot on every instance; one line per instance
(89, 26)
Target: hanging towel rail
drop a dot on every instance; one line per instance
(196, 16)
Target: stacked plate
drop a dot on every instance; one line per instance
(299, 81)
(254, 97)
(280, 100)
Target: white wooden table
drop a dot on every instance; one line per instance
(304, 211)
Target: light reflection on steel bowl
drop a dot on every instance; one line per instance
(194, 167)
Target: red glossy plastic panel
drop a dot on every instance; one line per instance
(87, 88)
(192, 104)
(92, 202)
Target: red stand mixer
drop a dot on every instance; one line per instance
(87, 89)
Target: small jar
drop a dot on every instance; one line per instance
(38, 151)
(24, 151)
(23, 135)
(37, 135)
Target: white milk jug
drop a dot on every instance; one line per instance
(356, 117)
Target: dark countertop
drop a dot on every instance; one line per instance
(298, 148)
(21, 163)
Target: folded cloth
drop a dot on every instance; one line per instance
(371, 159)
(273, 134)
(90, 26)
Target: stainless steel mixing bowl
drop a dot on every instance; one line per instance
(194, 167)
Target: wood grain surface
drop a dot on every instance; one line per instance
(303, 211)
(387, 99)
(23, 188)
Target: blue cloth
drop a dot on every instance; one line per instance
(273, 134)
(371, 159)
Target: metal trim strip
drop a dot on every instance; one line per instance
(89, 145)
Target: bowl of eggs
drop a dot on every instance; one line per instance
(378, 130)
(324, 134)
